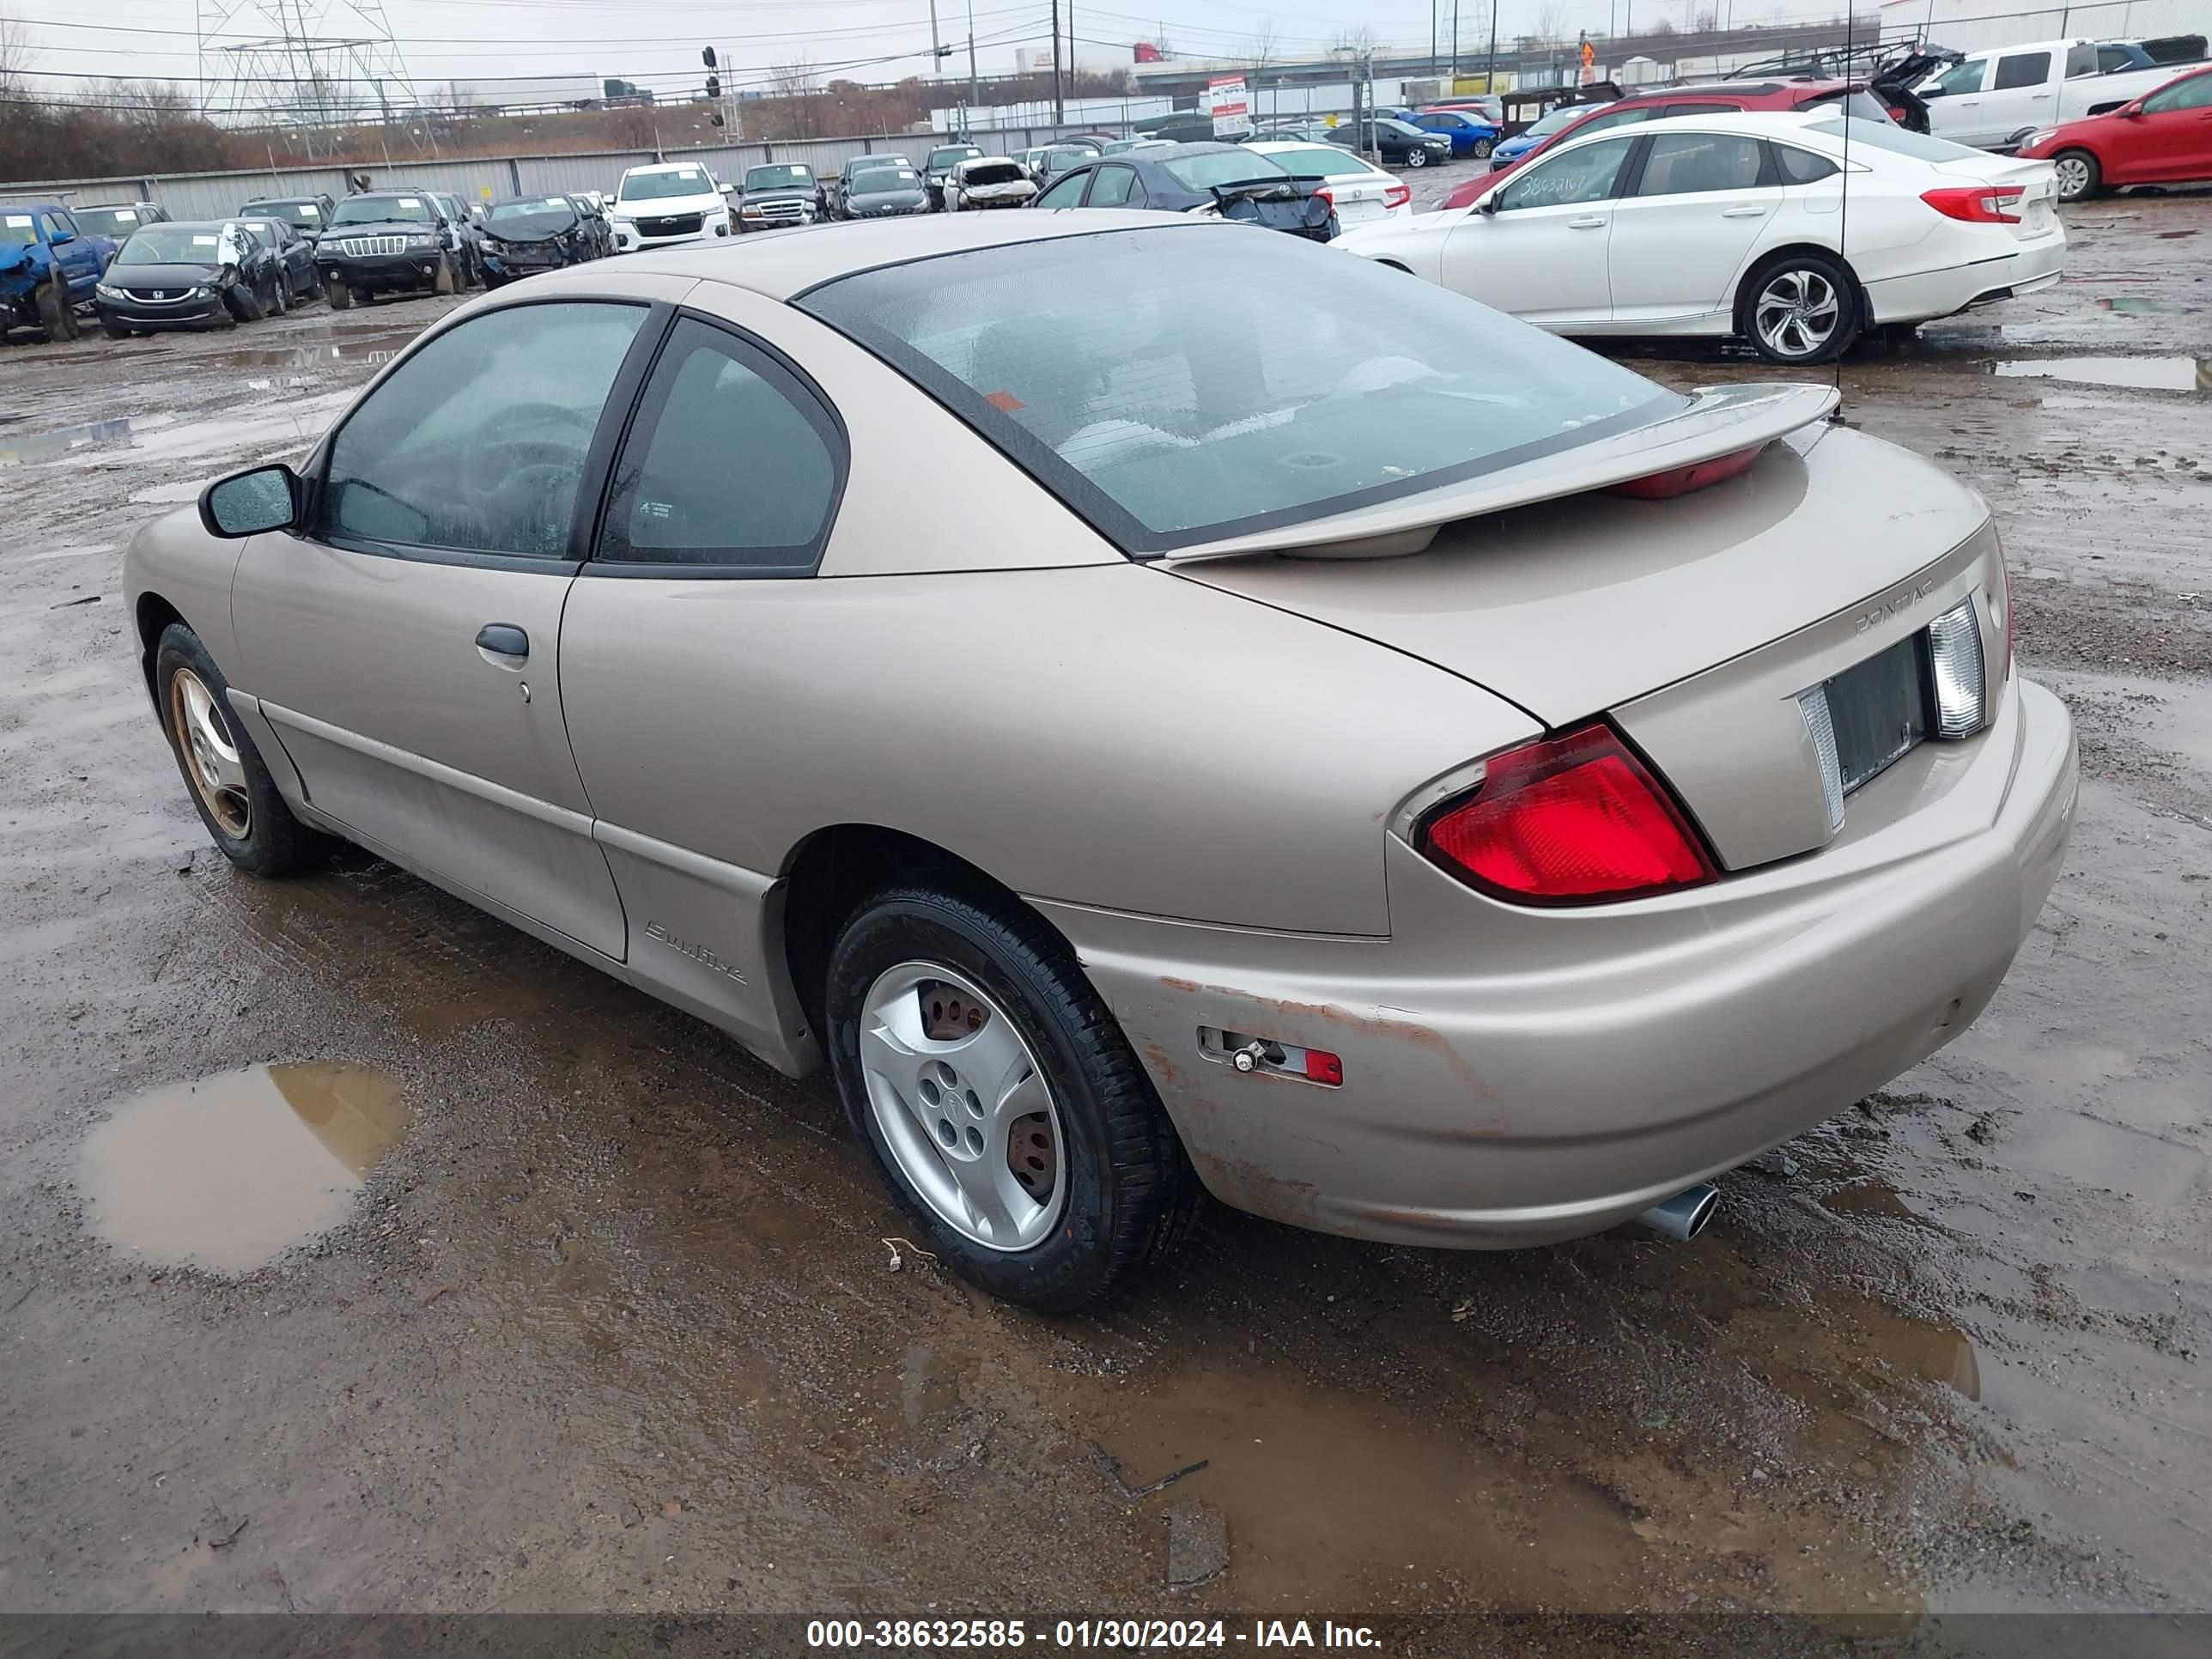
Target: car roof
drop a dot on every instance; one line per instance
(781, 264)
(666, 167)
(1759, 123)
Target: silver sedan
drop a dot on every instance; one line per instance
(1158, 708)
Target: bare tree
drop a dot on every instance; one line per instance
(1356, 41)
(1551, 21)
(1261, 50)
(15, 52)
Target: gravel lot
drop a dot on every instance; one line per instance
(613, 1323)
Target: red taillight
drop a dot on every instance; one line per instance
(1897, 115)
(1397, 196)
(1326, 194)
(1978, 204)
(1682, 480)
(1568, 820)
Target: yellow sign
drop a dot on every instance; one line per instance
(1473, 83)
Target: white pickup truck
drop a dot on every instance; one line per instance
(1993, 99)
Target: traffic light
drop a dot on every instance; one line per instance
(707, 57)
(714, 86)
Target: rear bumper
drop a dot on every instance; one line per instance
(1924, 296)
(1495, 1098)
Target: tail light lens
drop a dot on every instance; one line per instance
(1325, 194)
(1397, 196)
(1574, 819)
(1978, 204)
(1682, 480)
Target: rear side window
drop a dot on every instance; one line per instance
(2022, 69)
(1802, 167)
(477, 442)
(731, 461)
(2087, 60)
(1689, 163)
(1110, 186)
(1235, 382)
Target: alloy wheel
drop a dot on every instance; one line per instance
(211, 757)
(1797, 312)
(2073, 178)
(962, 1105)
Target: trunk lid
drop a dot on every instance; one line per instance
(2037, 182)
(1572, 607)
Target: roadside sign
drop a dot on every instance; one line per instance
(1229, 105)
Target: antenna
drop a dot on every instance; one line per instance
(1843, 192)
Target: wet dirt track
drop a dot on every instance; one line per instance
(586, 1309)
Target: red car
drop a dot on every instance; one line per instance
(1575, 120)
(2162, 137)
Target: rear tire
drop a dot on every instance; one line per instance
(1120, 1191)
(1800, 308)
(1482, 148)
(2079, 175)
(230, 785)
(336, 291)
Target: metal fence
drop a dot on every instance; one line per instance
(213, 195)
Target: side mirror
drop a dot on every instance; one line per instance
(59, 237)
(1488, 205)
(2129, 111)
(251, 503)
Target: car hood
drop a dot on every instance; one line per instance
(174, 275)
(881, 200)
(780, 193)
(529, 227)
(668, 207)
(12, 256)
(1577, 605)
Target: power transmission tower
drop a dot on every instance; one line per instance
(312, 66)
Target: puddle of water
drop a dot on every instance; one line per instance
(1874, 1196)
(1396, 1493)
(2146, 373)
(1935, 1353)
(2136, 1166)
(224, 1173)
(44, 446)
(2135, 305)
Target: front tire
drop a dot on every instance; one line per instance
(230, 785)
(999, 1099)
(1417, 158)
(55, 314)
(113, 330)
(441, 281)
(2079, 175)
(337, 293)
(1800, 308)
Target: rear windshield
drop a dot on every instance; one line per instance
(659, 186)
(1238, 381)
(1232, 166)
(383, 209)
(1902, 140)
(1859, 105)
(778, 178)
(1319, 162)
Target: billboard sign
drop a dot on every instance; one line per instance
(1230, 107)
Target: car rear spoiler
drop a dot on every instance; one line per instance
(1721, 422)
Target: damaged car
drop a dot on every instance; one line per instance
(987, 181)
(523, 236)
(1282, 792)
(213, 275)
(381, 243)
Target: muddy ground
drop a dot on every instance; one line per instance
(611, 1322)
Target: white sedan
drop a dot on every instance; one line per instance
(1736, 224)
(1361, 192)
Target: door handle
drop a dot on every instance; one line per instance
(1743, 213)
(503, 640)
(1585, 224)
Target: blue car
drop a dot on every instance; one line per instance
(1469, 133)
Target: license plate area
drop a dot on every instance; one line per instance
(1881, 710)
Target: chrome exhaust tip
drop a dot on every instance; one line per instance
(1683, 1216)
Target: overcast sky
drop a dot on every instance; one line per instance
(655, 42)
